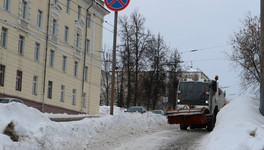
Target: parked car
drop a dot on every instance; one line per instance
(10, 100)
(139, 109)
(158, 112)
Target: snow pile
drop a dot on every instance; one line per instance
(64, 115)
(36, 131)
(106, 110)
(239, 126)
(16, 112)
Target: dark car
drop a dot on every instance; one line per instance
(139, 109)
(10, 100)
(158, 112)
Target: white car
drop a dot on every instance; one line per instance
(158, 112)
(139, 109)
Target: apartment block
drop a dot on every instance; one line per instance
(50, 53)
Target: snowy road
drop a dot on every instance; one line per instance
(173, 139)
(185, 140)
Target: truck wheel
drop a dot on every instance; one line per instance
(192, 127)
(210, 123)
(183, 126)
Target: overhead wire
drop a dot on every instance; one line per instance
(108, 23)
(206, 59)
(202, 49)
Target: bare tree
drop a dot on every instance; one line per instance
(157, 57)
(246, 52)
(143, 63)
(126, 58)
(106, 76)
(120, 81)
(139, 41)
(174, 66)
(134, 42)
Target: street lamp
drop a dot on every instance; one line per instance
(261, 107)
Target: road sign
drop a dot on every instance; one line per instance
(116, 5)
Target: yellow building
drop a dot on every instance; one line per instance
(43, 47)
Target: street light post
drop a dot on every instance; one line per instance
(261, 107)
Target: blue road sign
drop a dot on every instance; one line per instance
(116, 5)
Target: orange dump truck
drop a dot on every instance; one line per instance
(198, 102)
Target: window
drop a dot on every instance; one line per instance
(89, 20)
(52, 53)
(85, 73)
(75, 68)
(24, 9)
(19, 80)
(7, 4)
(68, 6)
(50, 89)
(21, 44)
(55, 2)
(64, 62)
(74, 97)
(84, 100)
(2, 75)
(79, 12)
(62, 93)
(40, 18)
(37, 51)
(87, 46)
(54, 24)
(66, 34)
(35, 85)
(4, 37)
(77, 40)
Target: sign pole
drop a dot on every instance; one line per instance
(114, 65)
(115, 5)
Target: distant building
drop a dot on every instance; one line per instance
(43, 47)
(193, 74)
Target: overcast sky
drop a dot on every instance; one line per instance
(206, 25)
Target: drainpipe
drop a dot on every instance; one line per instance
(45, 63)
(84, 57)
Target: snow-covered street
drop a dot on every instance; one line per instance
(239, 126)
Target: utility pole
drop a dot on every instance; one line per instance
(261, 107)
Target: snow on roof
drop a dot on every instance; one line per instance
(191, 69)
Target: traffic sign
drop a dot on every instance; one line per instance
(116, 5)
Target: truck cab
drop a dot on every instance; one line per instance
(198, 102)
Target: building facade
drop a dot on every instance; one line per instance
(50, 53)
(190, 73)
